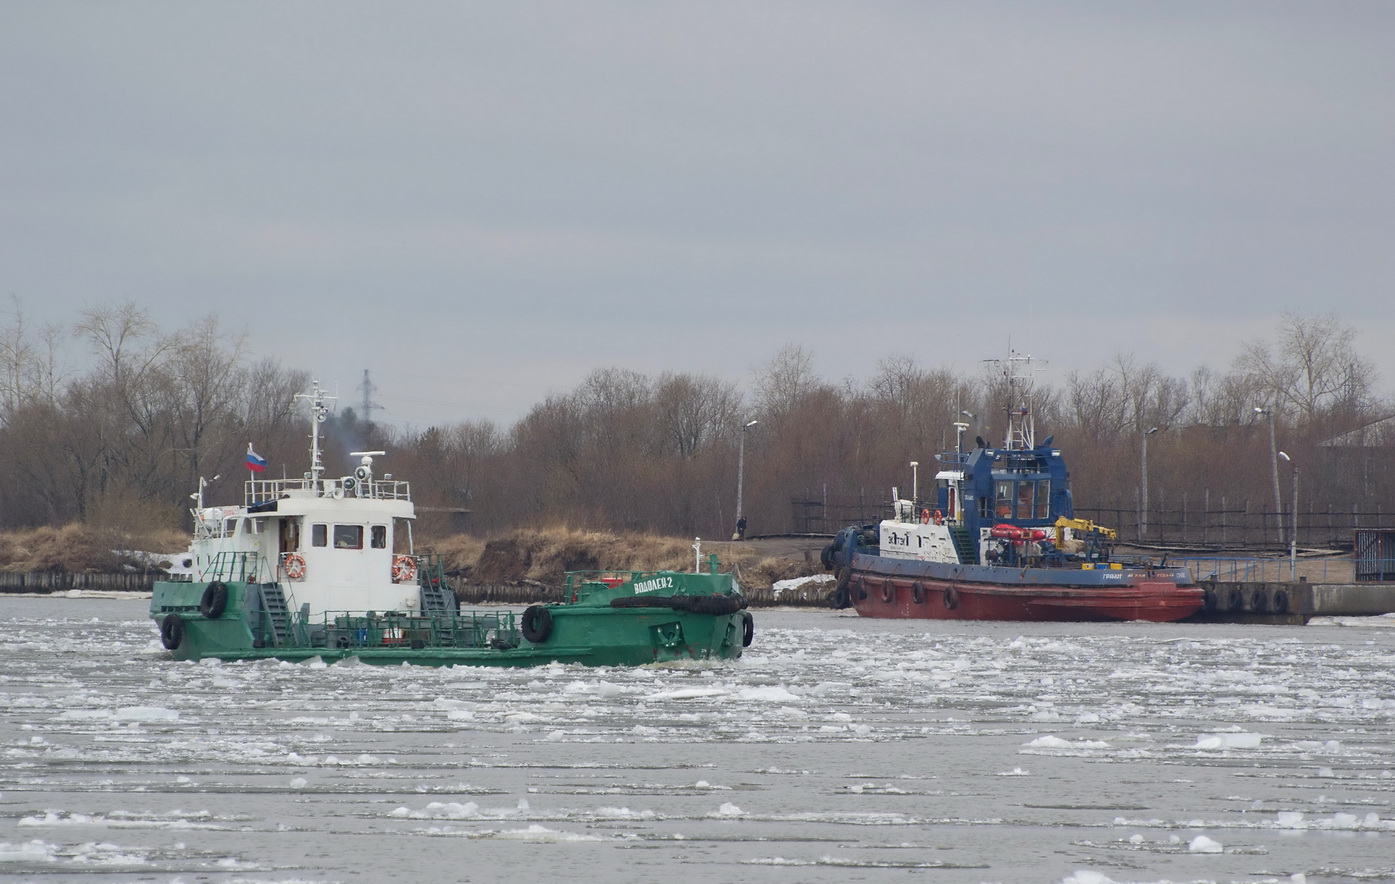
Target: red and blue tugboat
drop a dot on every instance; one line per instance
(1001, 542)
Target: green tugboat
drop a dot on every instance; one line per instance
(324, 568)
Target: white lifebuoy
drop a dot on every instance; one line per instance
(404, 569)
(294, 564)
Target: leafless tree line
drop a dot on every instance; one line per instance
(125, 441)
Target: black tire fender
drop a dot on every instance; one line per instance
(172, 631)
(748, 628)
(1235, 600)
(888, 591)
(951, 598)
(536, 624)
(214, 601)
(859, 586)
(918, 593)
(1280, 604)
(1259, 602)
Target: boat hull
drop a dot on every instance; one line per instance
(900, 589)
(591, 634)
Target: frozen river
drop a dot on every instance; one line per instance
(838, 749)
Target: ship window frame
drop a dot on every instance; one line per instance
(348, 536)
(1003, 497)
(378, 536)
(319, 534)
(1026, 493)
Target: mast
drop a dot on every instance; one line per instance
(319, 412)
(1021, 434)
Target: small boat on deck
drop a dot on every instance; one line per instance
(1000, 541)
(325, 568)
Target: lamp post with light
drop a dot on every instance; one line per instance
(1274, 460)
(1143, 484)
(740, 478)
(1293, 533)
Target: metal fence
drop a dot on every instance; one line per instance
(1220, 528)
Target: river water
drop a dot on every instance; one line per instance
(837, 749)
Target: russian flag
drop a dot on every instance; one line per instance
(255, 462)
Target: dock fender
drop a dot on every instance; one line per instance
(859, 586)
(1234, 599)
(1279, 604)
(172, 631)
(1209, 593)
(1259, 601)
(918, 593)
(536, 624)
(748, 629)
(888, 591)
(951, 597)
(840, 598)
(214, 601)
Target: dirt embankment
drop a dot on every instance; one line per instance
(539, 556)
(545, 555)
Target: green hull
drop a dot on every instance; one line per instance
(696, 617)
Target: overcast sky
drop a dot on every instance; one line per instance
(481, 203)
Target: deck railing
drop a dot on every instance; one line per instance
(262, 491)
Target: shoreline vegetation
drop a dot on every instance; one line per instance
(1294, 437)
(537, 557)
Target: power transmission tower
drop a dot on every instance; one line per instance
(368, 388)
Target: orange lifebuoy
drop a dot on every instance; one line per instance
(294, 563)
(404, 569)
(925, 517)
(939, 517)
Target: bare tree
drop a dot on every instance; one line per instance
(1311, 369)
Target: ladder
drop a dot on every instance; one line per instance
(438, 599)
(275, 614)
(964, 544)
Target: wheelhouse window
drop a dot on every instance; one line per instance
(379, 536)
(319, 535)
(348, 537)
(1003, 496)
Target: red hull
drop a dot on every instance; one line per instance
(1152, 600)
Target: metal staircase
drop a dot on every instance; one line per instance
(275, 615)
(964, 544)
(438, 599)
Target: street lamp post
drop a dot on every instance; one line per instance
(1274, 460)
(1143, 484)
(740, 478)
(1293, 533)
